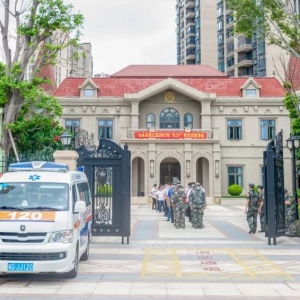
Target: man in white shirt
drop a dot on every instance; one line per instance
(160, 198)
(153, 195)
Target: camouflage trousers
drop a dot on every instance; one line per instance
(252, 218)
(290, 227)
(262, 220)
(197, 217)
(179, 217)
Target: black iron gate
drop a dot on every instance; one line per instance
(274, 189)
(107, 168)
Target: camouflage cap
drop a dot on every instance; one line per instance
(197, 183)
(260, 186)
(251, 185)
(179, 185)
(178, 182)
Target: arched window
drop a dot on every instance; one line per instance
(150, 120)
(169, 118)
(188, 120)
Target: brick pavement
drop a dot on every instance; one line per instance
(221, 261)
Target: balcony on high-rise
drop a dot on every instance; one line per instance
(244, 44)
(190, 3)
(190, 13)
(245, 60)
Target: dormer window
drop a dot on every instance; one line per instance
(89, 89)
(251, 92)
(251, 89)
(89, 93)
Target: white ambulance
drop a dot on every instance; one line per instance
(45, 219)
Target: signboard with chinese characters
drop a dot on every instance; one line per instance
(198, 135)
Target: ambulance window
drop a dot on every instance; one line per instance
(74, 195)
(84, 193)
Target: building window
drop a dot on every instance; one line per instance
(169, 118)
(235, 176)
(234, 129)
(267, 128)
(150, 121)
(88, 93)
(72, 125)
(105, 129)
(188, 120)
(251, 92)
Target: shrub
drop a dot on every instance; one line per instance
(234, 190)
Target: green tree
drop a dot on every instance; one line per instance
(44, 27)
(274, 19)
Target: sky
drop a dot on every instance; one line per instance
(125, 32)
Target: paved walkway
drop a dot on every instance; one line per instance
(161, 262)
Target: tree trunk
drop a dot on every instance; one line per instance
(10, 112)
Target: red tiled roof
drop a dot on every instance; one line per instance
(293, 72)
(169, 71)
(117, 87)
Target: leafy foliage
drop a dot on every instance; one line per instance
(234, 190)
(44, 28)
(274, 19)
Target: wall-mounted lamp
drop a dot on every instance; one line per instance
(188, 168)
(151, 168)
(217, 168)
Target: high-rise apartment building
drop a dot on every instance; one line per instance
(196, 32)
(83, 67)
(205, 35)
(66, 64)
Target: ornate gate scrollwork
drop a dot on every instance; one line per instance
(107, 168)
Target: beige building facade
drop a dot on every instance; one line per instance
(210, 128)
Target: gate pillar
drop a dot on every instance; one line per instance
(274, 189)
(67, 157)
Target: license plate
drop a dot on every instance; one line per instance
(20, 267)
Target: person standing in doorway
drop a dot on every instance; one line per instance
(251, 208)
(261, 209)
(153, 195)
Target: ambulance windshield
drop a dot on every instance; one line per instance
(29, 196)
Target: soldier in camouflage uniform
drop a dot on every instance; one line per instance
(251, 208)
(261, 209)
(197, 203)
(180, 207)
(290, 213)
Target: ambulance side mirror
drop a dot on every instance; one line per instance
(80, 207)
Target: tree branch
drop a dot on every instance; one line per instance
(4, 32)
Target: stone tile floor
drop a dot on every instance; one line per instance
(221, 261)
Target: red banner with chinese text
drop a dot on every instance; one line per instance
(199, 135)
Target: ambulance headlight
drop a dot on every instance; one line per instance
(65, 236)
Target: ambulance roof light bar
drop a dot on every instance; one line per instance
(38, 166)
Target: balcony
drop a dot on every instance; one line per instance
(190, 22)
(190, 13)
(190, 3)
(244, 61)
(244, 45)
(143, 135)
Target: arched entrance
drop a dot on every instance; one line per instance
(138, 177)
(202, 173)
(169, 170)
